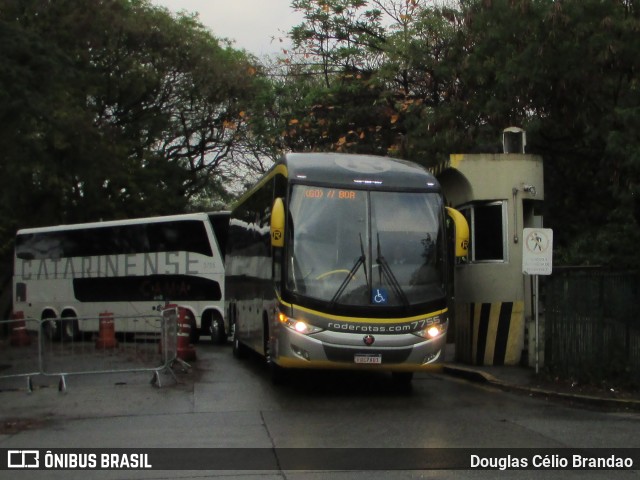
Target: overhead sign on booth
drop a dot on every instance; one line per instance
(537, 251)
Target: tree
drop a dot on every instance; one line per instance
(113, 109)
(366, 62)
(432, 79)
(328, 99)
(567, 72)
(337, 36)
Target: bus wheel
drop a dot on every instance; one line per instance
(69, 327)
(51, 328)
(215, 329)
(239, 350)
(276, 372)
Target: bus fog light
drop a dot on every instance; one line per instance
(300, 352)
(432, 357)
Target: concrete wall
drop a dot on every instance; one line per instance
(493, 297)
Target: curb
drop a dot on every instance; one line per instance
(479, 376)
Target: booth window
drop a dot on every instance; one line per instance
(487, 230)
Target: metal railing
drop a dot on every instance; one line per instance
(592, 323)
(63, 347)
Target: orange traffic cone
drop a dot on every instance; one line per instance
(19, 336)
(107, 333)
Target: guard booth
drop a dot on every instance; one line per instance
(500, 195)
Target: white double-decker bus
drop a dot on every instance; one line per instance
(129, 268)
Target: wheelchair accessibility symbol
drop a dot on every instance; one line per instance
(379, 296)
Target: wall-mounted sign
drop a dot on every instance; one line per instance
(537, 251)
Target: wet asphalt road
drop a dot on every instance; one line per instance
(223, 402)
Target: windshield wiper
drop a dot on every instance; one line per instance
(391, 278)
(360, 261)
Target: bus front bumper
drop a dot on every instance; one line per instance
(337, 350)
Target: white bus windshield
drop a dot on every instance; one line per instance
(355, 247)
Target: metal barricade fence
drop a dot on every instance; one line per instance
(62, 347)
(19, 351)
(592, 323)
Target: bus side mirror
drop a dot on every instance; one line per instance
(461, 232)
(277, 223)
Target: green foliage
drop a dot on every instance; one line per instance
(566, 72)
(433, 80)
(115, 109)
(374, 73)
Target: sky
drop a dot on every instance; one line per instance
(251, 24)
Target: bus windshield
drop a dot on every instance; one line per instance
(365, 248)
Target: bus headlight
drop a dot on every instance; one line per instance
(432, 331)
(298, 325)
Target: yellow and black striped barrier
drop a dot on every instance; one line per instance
(490, 333)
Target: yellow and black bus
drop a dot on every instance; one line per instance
(341, 261)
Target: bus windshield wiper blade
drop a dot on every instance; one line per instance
(364, 259)
(393, 281)
(360, 261)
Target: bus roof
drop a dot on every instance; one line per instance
(111, 223)
(350, 170)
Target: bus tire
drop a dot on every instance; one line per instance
(276, 372)
(215, 329)
(69, 329)
(239, 349)
(51, 328)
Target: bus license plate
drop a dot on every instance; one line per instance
(367, 358)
